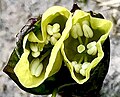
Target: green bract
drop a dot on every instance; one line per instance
(40, 58)
(86, 49)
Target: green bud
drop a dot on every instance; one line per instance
(80, 48)
(49, 29)
(36, 54)
(56, 28)
(33, 47)
(88, 33)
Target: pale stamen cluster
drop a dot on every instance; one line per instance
(78, 31)
(36, 48)
(36, 66)
(53, 33)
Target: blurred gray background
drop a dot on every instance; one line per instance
(15, 13)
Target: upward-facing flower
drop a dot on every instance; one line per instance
(41, 57)
(86, 36)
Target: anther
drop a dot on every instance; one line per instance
(88, 33)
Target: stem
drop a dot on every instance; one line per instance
(81, 59)
(45, 55)
(85, 58)
(86, 41)
(54, 93)
(80, 40)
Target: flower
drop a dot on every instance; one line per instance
(59, 40)
(86, 36)
(41, 56)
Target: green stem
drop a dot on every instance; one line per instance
(81, 59)
(54, 93)
(80, 40)
(45, 55)
(85, 58)
(86, 41)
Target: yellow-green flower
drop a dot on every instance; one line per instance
(41, 56)
(82, 50)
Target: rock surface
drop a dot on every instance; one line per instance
(15, 13)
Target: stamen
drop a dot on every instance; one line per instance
(36, 67)
(57, 35)
(76, 31)
(77, 68)
(39, 70)
(80, 48)
(33, 65)
(53, 40)
(33, 47)
(56, 28)
(49, 29)
(85, 65)
(92, 50)
(36, 54)
(82, 72)
(91, 44)
(88, 33)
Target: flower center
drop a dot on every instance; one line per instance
(77, 32)
(53, 32)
